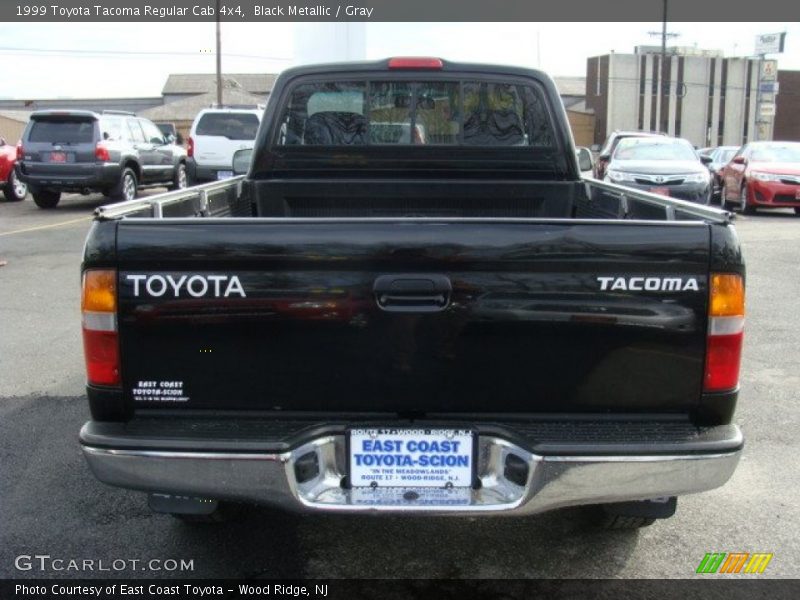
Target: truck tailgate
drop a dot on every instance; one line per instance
(412, 317)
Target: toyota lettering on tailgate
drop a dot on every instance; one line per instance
(197, 286)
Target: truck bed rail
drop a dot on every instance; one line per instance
(601, 201)
(213, 199)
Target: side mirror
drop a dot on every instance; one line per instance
(705, 159)
(241, 161)
(739, 160)
(585, 159)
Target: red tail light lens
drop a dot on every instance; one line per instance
(415, 62)
(20, 150)
(190, 147)
(723, 357)
(101, 152)
(102, 357)
(725, 332)
(100, 338)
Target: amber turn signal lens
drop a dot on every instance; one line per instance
(727, 295)
(99, 291)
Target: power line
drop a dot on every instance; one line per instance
(95, 53)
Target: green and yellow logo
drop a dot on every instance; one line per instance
(734, 562)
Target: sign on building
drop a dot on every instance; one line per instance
(769, 70)
(768, 87)
(767, 110)
(770, 43)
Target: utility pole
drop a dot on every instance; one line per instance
(662, 89)
(219, 58)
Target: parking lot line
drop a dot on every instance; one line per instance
(50, 226)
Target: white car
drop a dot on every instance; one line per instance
(216, 134)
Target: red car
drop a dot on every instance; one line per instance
(13, 189)
(763, 175)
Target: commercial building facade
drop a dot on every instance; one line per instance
(706, 98)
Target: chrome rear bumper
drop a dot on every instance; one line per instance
(550, 481)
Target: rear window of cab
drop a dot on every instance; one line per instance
(415, 113)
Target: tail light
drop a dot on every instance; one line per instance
(20, 150)
(725, 332)
(190, 147)
(101, 152)
(100, 337)
(415, 62)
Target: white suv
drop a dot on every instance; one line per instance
(214, 137)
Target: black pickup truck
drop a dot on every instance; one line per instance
(413, 302)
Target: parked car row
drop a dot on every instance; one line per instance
(118, 153)
(755, 175)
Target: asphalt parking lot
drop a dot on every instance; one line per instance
(52, 505)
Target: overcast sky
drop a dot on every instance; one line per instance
(52, 60)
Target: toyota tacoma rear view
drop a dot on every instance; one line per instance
(412, 302)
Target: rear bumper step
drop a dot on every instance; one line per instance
(513, 479)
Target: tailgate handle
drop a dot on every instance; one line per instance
(416, 293)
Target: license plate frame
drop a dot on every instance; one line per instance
(224, 175)
(412, 476)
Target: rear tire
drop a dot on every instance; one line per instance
(46, 199)
(179, 180)
(127, 187)
(15, 190)
(743, 206)
(723, 200)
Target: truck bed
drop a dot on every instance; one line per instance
(527, 327)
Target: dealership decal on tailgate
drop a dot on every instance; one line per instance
(411, 458)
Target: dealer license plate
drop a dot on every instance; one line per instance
(58, 157)
(660, 190)
(418, 458)
(224, 174)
